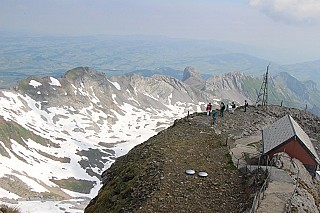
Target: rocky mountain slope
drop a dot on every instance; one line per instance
(282, 89)
(73, 128)
(151, 177)
(305, 70)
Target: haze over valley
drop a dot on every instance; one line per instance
(82, 83)
(23, 56)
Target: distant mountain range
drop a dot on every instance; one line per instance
(59, 134)
(23, 56)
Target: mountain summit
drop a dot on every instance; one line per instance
(74, 127)
(192, 78)
(152, 178)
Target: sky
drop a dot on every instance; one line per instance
(290, 27)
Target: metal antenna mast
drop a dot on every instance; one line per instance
(264, 90)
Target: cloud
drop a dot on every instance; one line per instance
(290, 11)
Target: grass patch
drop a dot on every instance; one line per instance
(52, 157)
(230, 164)
(3, 152)
(24, 84)
(11, 130)
(75, 185)
(122, 182)
(118, 190)
(96, 158)
(75, 73)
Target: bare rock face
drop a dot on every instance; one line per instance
(143, 92)
(226, 81)
(229, 86)
(192, 78)
(303, 201)
(306, 193)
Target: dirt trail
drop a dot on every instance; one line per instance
(151, 177)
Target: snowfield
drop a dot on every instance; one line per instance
(71, 131)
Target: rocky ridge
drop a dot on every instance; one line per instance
(151, 178)
(192, 88)
(89, 119)
(80, 123)
(191, 77)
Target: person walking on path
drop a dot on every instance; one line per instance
(222, 108)
(209, 106)
(214, 118)
(233, 107)
(245, 105)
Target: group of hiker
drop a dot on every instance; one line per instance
(214, 113)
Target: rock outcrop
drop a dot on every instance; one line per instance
(193, 78)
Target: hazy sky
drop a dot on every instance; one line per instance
(291, 27)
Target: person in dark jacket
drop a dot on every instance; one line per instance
(222, 108)
(233, 107)
(245, 105)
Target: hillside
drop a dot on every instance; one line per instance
(305, 71)
(74, 127)
(283, 89)
(151, 178)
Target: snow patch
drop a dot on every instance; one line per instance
(133, 126)
(115, 84)
(5, 194)
(54, 82)
(48, 206)
(34, 186)
(146, 94)
(169, 99)
(114, 98)
(34, 83)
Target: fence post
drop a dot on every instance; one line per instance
(306, 108)
(281, 103)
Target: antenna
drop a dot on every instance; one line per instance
(264, 90)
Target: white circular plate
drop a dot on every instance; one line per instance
(203, 174)
(190, 172)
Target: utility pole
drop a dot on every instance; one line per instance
(263, 94)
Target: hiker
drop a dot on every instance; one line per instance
(214, 118)
(209, 106)
(222, 108)
(233, 107)
(245, 105)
